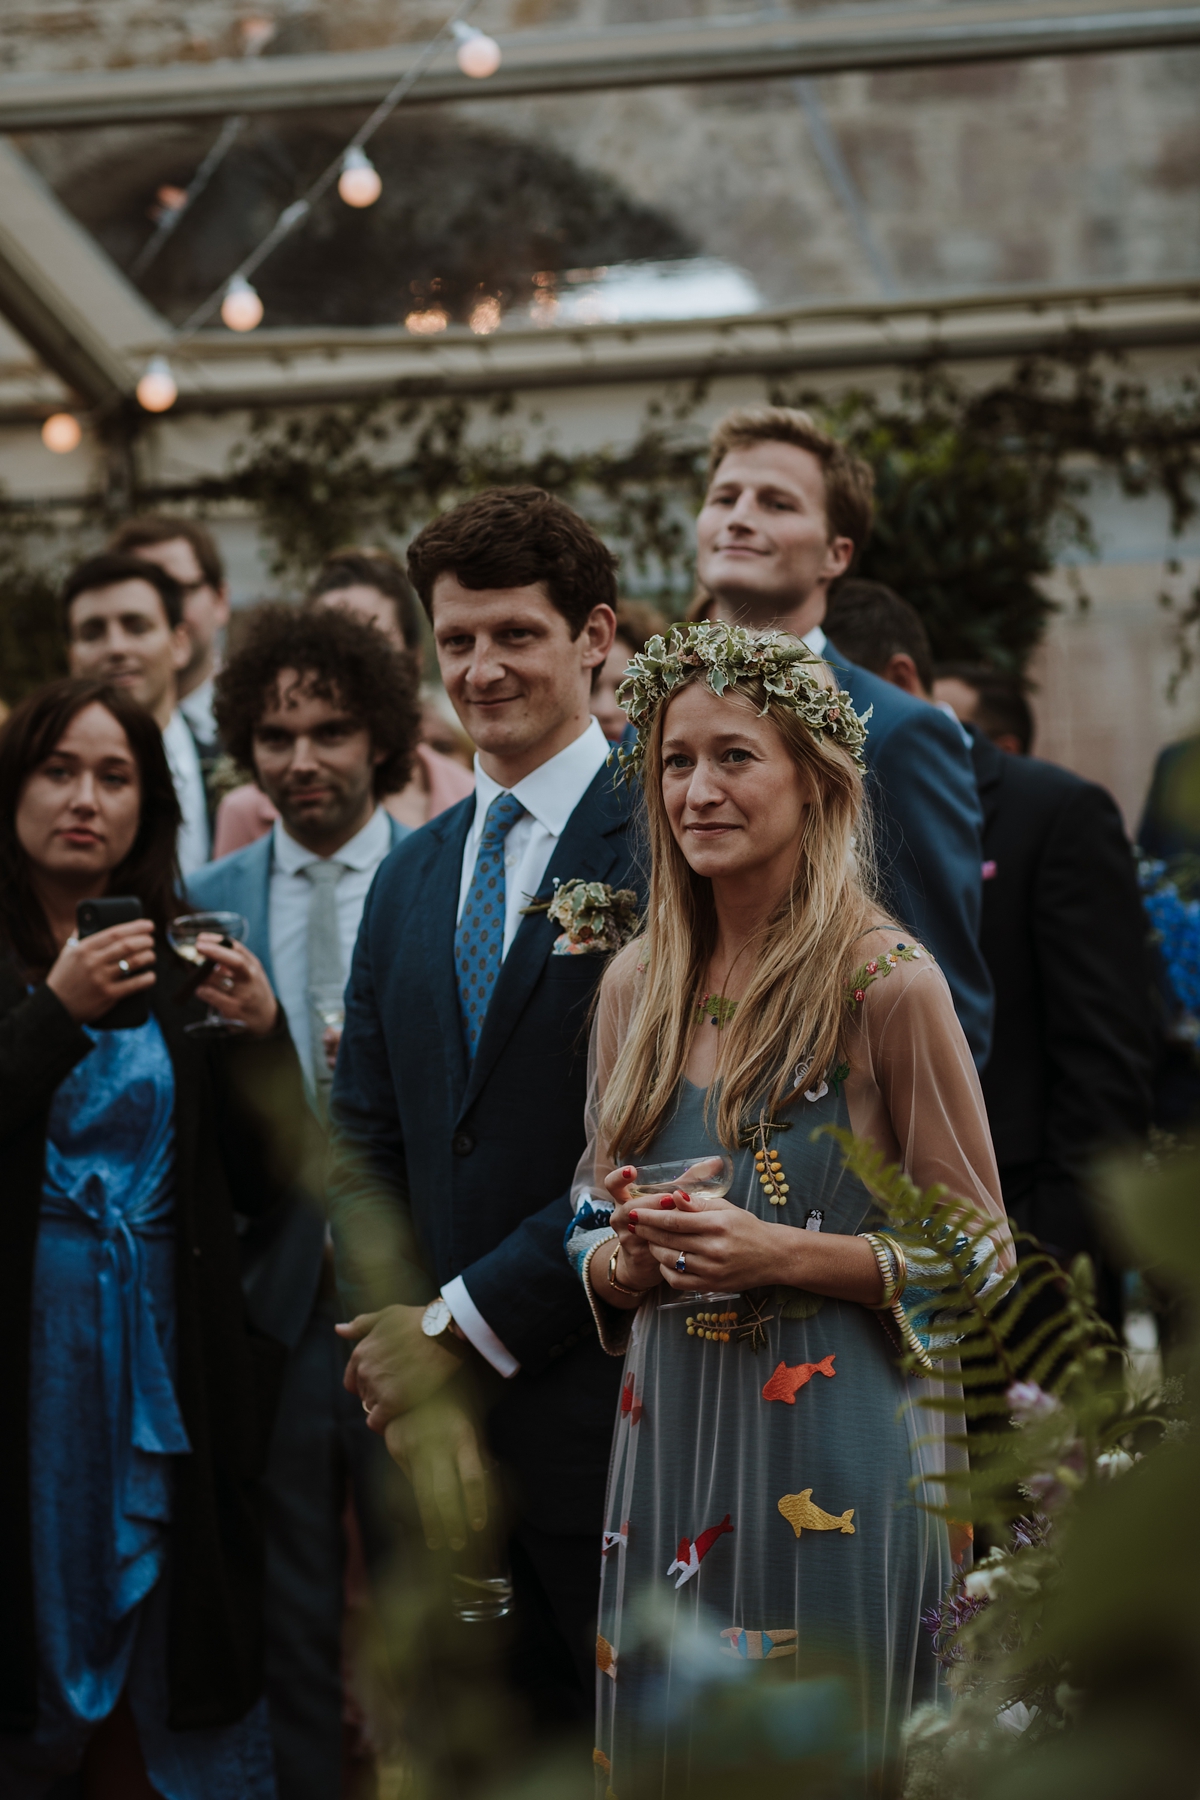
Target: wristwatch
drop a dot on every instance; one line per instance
(437, 1319)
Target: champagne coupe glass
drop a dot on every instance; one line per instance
(183, 934)
(329, 1004)
(700, 1177)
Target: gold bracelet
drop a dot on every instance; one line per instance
(619, 1286)
(887, 1272)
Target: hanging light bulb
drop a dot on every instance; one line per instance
(241, 308)
(359, 183)
(61, 433)
(477, 55)
(156, 391)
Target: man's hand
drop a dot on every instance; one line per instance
(394, 1367)
(436, 1446)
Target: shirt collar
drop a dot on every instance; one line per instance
(816, 640)
(553, 790)
(366, 849)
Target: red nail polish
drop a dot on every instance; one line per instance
(684, 1196)
(633, 1219)
(667, 1204)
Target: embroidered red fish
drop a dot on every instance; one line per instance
(786, 1383)
(630, 1406)
(615, 1540)
(691, 1555)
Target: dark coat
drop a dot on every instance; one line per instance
(474, 1163)
(227, 1159)
(921, 789)
(1065, 938)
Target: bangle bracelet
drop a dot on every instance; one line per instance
(888, 1271)
(619, 1286)
(900, 1260)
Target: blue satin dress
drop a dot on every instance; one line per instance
(104, 1426)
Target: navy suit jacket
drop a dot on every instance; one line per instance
(929, 833)
(281, 1259)
(467, 1166)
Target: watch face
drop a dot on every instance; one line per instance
(436, 1319)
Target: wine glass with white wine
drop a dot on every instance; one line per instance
(700, 1178)
(183, 935)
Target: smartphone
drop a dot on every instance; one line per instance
(92, 916)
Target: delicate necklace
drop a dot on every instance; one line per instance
(717, 1009)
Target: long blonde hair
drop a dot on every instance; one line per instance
(791, 1015)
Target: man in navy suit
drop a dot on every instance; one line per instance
(786, 509)
(326, 714)
(459, 1097)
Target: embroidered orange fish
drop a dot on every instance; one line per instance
(802, 1515)
(606, 1658)
(785, 1383)
(629, 1406)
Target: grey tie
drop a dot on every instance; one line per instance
(326, 966)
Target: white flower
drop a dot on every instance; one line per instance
(1114, 1462)
(817, 1093)
(1029, 1401)
(1016, 1718)
(982, 1582)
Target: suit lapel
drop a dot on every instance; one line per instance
(258, 903)
(439, 916)
(588, 849)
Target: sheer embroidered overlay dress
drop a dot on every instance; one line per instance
(768, 1467)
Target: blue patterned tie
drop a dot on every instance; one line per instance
(479, 940)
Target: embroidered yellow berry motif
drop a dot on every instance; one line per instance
(713, 1327)
(770, 1176)
(802, 1515)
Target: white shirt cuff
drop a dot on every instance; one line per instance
(476, 1329)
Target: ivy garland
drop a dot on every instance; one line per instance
(980, 493)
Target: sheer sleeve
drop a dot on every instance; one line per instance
(913, 1090)
(590, 1227)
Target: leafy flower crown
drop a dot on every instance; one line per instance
(728, 654)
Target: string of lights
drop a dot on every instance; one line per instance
(359, 184)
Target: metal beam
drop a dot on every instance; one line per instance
(877, 36)
(220, 373)
(62, 293)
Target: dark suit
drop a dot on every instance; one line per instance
(320, 1440)
(1065, 938)
(928, 834)
(471, 1164)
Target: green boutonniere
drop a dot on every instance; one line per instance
(596, 918)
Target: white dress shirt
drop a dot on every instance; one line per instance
(197, 709)
(289, 896)
(549, 796)
(192, 844)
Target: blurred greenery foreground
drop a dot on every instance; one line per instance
(1071, 1648)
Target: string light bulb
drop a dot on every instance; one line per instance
(359, 183)
(61, 433)
(478, 55)
(156, 391)
(241, 309)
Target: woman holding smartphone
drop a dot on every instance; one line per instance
(135, 1400)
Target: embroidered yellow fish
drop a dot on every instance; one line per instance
(802, 1515)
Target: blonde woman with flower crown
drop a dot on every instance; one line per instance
(769, 1458)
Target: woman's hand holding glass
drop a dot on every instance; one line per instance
(91, 974)
(636, 1267)
(238, 987)
(723, 1245)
